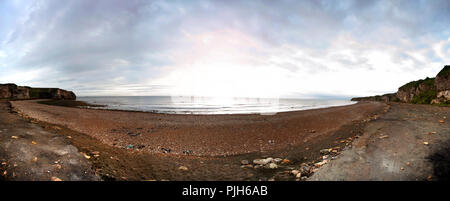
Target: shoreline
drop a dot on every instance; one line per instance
(105, 107)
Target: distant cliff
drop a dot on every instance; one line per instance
(14, 92)
(427, 91)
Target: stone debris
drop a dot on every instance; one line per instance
(164, 150)
(188, 152)
(244, 162)
(247, 166)
(55, 179)
(319, 164)
(285, 161)
(14, 137)
(85, 155)
(273, 166)
(262, 161)
(384, 136)
(183, 168)
(325, 151)
(277, 160)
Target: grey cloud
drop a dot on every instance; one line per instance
(82, 41)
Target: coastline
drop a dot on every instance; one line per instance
(200, 135)
(321, 155)
(122, 163)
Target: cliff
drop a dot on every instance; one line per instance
(14, 92)
(382, 98)
(427, 91)
(442, 83)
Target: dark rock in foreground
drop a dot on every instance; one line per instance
(12, 91)
(427, 91)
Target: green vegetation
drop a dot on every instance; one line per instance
(444, 72)
(36, 93)
(446, 104)
(424, 97)
(414, 84)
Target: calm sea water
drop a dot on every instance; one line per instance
(206, 105)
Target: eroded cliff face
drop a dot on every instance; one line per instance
(14, 92)
(430, 90)
(442, 83)
(420, 91)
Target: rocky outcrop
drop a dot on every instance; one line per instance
(442, 83)
(14, 92)
(383, 98)
(420, 91)
(430, 90)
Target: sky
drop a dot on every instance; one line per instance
(292, 49)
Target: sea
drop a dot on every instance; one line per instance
(209, 105)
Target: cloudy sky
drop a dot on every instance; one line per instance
(255, 48)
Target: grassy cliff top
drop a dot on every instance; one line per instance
(444, 72)
(414, 84)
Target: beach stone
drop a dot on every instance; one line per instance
(295, 172)
(285, 161)
(277, 160)
(325, 151)
(187, 152)
(244, 162)
(319, 164)
(273, 166)
(298, 175)
(305, 169)
(259, 161)
(247, 166)
(262, 161)
(164, 150)
(184, 168)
